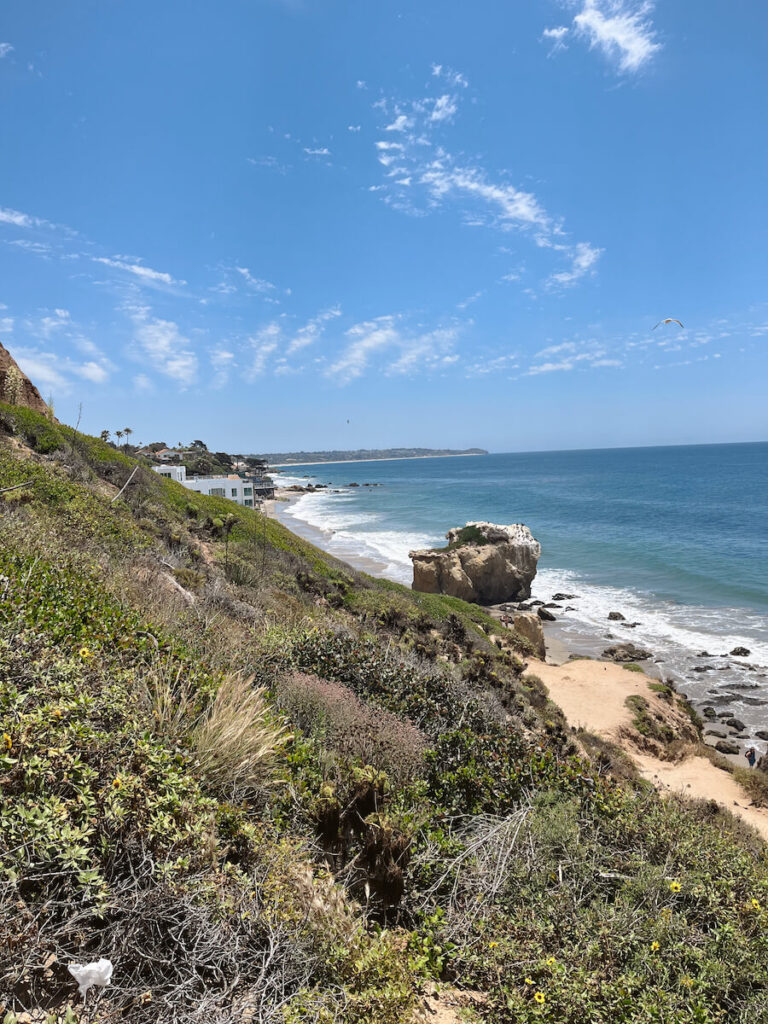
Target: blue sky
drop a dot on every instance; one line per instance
(449, 224)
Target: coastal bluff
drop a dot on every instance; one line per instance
(484, 563)
(15, 387)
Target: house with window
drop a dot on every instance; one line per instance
(232, 487)
(177, 473)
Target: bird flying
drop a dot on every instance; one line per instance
(668, 320)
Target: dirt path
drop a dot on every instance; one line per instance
(446, 1005)
(592, 695)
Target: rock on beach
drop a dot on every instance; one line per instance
(484, 563)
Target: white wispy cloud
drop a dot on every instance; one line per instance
(564, 364)
(262, 345)
(41, 368)
(271, 162)
(443, 108)
(42, 249)
(312, 330)
(493, 364)
(96, 373)
(145, 274)
(420, 174)
(556, 37)
(53, 322)
(470, 299)
(508, 205)
(164, 346)
(584, 354)
(21, 220)
(53, 371)
(222, 361)
(257, 284)
(400, 124)
(449, 75)
(5, 49)
(621, 29)
(320, 151)
(583, 260)
(409, 351)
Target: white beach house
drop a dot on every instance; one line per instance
(232, 487)
(177, 473)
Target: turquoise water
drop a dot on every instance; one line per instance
(675, 538)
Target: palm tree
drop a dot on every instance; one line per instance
(119, 434)
(105, 435)
(127, 431)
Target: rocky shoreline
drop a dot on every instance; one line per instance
(725, 732)
(739, 699)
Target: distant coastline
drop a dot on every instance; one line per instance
(375, 458)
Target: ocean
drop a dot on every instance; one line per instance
(675, 538)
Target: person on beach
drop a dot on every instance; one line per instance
(751, 756)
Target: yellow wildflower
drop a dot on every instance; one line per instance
(116, 783)
(551, 961)
(85, 653)
(756, 904)
(655, 947)
(675, 887)
(492, 945)
(540, 998)
(529, 981)
(56, 713)
(687, 981)
(7, 740)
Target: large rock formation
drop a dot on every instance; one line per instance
(483, 563)
(15, 387)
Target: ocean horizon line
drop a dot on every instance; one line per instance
(525, 451)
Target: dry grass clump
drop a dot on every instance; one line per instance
(352, 728)
(755, 782)
(238, 741)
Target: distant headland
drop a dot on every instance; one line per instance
(363, 455)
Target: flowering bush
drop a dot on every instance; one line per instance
(340, 721)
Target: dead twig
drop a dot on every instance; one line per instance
(133, 474)
(16, 486)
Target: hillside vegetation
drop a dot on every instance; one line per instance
(270, 788)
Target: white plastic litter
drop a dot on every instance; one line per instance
(86, 975)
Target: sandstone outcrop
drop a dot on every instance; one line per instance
(483, 563)
(15, 387)
(528, 625)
